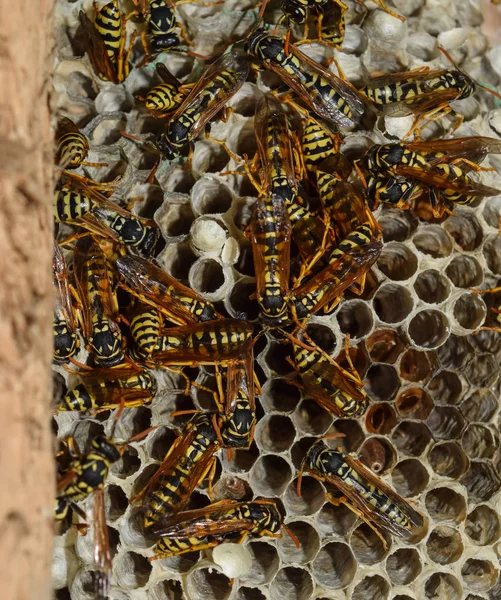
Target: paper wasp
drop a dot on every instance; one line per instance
(348, 263)
(166, 96)
(105, 389)
(226, 520)
(423, 92)
(330, 97)
(190, 459)
(214, 89)
(82, 205)
(237, 418)
(99, 308)
(72, 146)
(66, 340)
(208, 343)
(440, 166)
(106, 38)
(335, 389)
(153, 286)
(362, 491)
(86, 475)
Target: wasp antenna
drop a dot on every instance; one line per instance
(141, 435)
(332, 436)
(179, 413)
(487, 89)
(292, 536)
(447, 56)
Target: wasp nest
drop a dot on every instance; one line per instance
(431, 430)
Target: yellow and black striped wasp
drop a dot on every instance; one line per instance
(66, 340)
(99, 307)
(153, 286)
(217, 85)
(86, 475)
(237, 413)
(164, 97)
(189, 460)
(320, 147)
(102, 389)
(361, 491)
(76, 203)
(334, 388)
(329, 96)
(439, 167)
(145, 326)
(223, 521)
(72, 146)
(106, 38)
(208, 343)
(347, 264)
(422, 92)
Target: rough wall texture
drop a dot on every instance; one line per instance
(26, 470)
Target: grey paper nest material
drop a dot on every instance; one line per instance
(434, 387)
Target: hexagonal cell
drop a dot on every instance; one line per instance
(382, 382)
(239, 303)
(241, 461)
(132, 570)
(385, 346)
(128, 464)
(207, 277)
(393, 303)
(208, 583)
(429, 329)
(279, 395)
(444, 545)
(414, 403)
(355, 319)
(335, 566)
(478, 441)
(482, 371)
(481, 481)
(417, 366)
(167, 588)
(443, 585)
(265, 563)
(276, 359)
(335, 520)
(116, 502)
(456, 353)
(372, 586)
(448, 460)
(378, 454)
(492, 212)
(464, 272)
(446, 388)
(397, 261)
(322, 336)
(409, 478)
(309, 543)
(160, 443)
(230, 487)
(210, 196)
(380, 418)
(247, 593)
(465, 230)
(403, 566)
(470, 311)
(479, 575)
(433, 240)
(446, 422)
(480, 406)
(177, 260)
(432, 287)
(175, 217)
(311, 418)
(275, 433)
(367, 546)
(270, 475)
(293, 583)
(311, 499)
(492, 254)
(354, 435)
(445, 504)
(411, 438)
(397, 225)
(483, 525)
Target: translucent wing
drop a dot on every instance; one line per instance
(102, 552)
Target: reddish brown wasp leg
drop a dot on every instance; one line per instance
(338, 67)
(306, 267)
(471, 164)
(382, 4)
(487, 291)
(184, 35)
(432, 115)
(186, 378)
(211, 473)
(223, 144)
